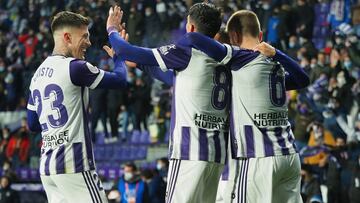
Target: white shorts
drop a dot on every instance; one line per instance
(192, 181)
(82, 187)
(266, 180)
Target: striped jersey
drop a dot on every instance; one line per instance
(200, 102)
(60, 96)
(259, 125)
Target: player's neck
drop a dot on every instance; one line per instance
(61, 51)
(249, 43)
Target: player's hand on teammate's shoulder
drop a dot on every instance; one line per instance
(266, 49)
(114, 18)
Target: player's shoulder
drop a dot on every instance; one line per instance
(79, 65)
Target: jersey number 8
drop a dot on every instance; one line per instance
(221, 90)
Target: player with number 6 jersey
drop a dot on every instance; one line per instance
(267, 163)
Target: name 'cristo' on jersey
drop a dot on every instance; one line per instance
(60, 96)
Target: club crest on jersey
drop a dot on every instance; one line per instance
(165, 49)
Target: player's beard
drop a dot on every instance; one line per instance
(68, 53)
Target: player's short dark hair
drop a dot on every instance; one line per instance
(244, 22)
(68, 19)
(206, 17)
(131, 165)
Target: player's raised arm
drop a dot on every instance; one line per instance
(174, 56)
(83, 73)
(166, 77)
(296, 77)
(153, 71)
(122, 48)
(214, 49)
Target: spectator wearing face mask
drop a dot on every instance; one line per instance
(320, 67)
(131, 188)
(162, 166)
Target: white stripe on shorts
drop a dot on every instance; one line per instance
(244, 166)
(173, 178)
(94, 193)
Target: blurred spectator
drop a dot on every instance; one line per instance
(337, 162)
(320, 68)
(29, 41)
(34, 151)
(18, 147)
(310, 186)
(98, 111)
(152, 28)
(302, 120)
(355, 183)
(319, 140)
(141, 97)
(7, 195)
(134, 26)
(272, 29)
(157, 187)
(5, 136)
(132, 189)
(305, 19)
(162, 165)
(340, 12)
(293, 47)
(98, 108)
(8, 171)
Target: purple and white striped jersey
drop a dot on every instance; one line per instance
(259, 125)
(200, 103)
(60, 97)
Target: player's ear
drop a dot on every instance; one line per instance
(260, 36)
(235, 38)
(67, 37)
(192, 28)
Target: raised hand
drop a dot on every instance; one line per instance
(265, 49)
(124, 35)
(114, 18)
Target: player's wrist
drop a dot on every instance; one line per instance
(111, 29)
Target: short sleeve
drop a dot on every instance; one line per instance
(83, 73)
(228, 56)
(31, 105)
(173, 56)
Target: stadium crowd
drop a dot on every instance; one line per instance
(322, 35)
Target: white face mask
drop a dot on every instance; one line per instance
(128, 176)
(158, 166)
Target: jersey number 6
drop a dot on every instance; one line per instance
(277, 86)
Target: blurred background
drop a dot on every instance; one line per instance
(130, 127)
